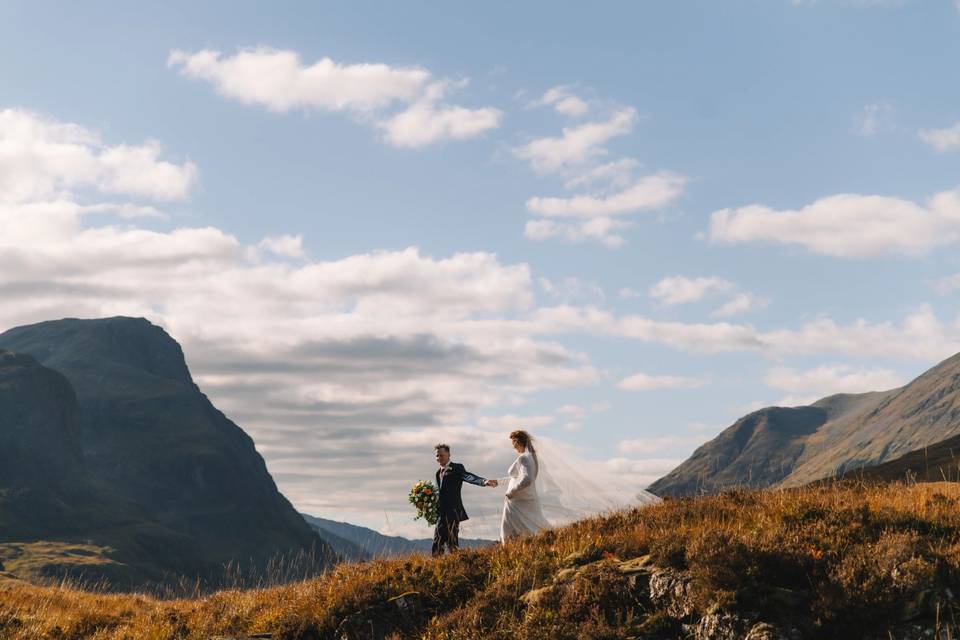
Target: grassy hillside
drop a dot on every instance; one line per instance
(840, 561)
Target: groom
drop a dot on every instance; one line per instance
(450, 478)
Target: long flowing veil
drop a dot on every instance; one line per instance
(572, 488)
(568, 487)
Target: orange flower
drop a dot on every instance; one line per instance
(427, 491)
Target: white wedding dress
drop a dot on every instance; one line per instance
(522, 510)
(550, 485)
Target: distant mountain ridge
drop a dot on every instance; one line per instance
(366, 543)
(785, 447)
(155, 476)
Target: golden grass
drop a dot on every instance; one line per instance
(838, 559)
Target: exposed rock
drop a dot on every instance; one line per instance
(764, 631)
(565, 575)
(721, 626)
(641, 565)
(533, 597)
(670, 591)
(727, 626)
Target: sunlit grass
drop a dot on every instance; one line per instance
(826, 560)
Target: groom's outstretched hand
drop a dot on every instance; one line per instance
(491, 483)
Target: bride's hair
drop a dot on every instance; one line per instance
(523, 438)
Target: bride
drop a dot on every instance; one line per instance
(522, 510)
(545, 488)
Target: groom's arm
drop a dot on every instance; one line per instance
(473, 478)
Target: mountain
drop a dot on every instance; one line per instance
(366, 543)
(937, 463)
(40, 435)
(346, 549)
(171, 485)
(787, 447)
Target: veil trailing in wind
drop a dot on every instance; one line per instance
(551, 485)
(571, 488)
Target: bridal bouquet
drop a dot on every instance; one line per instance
(423, 496)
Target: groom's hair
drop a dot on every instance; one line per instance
(440, 445)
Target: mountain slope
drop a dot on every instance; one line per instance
(152, 442)
(936, 463)
(39, 426)
(758, 450)
(791, 447)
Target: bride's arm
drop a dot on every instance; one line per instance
(526, 477)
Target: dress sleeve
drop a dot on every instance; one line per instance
(473, 478)
(526, 476)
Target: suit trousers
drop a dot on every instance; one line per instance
(446, 534)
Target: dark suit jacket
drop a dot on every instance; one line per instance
(451, 504)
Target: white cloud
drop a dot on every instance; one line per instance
(628, 293)
(602, 230)
(510, 422)
(617, 173)
(288, 246)
(615, 190)
(660, 444)
(594, 213)
(741, 302)
(427, 121)
(41, 158)
(678, 290)
(572, 289)
(812, 384)
(278, 80)
(847, 225)
(947, 284)
(921, 336)
(644, 382)
(681, 290)
(649, 192)
(572, 409)
(577, 145)
(643, 472)
(874, 118)
(943, 140)
(564, 101)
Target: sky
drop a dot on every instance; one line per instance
(378, 226)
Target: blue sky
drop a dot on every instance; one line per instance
(361, 263)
